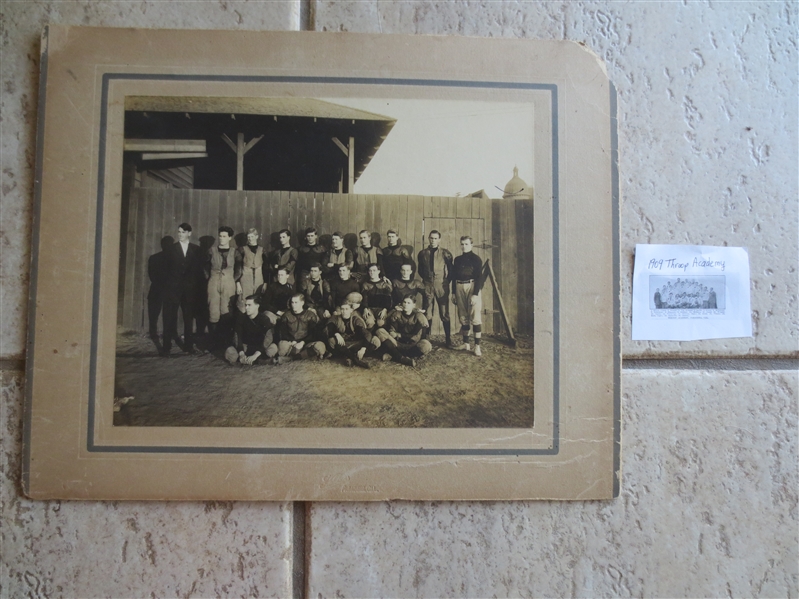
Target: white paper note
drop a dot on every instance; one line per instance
(690, 292)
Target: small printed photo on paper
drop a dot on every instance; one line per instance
(687, 296)
(687, 293)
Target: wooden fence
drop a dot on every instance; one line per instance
(150, 214)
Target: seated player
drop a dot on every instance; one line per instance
(348, 337)
(342, 286)
(275, 299)
(377, 295)
(316, 291)
(401, 339)
(294, 334)
(252, 335)
(337, 256)
(365, 255)
(406, 285)
(355, 299)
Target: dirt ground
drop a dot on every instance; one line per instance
(446, 389)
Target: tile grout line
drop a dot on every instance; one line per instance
(730, 363)
(716, 364)
(301, 510)
(299, 572)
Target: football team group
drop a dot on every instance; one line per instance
(314, 301)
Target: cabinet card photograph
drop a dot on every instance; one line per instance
(302, 277)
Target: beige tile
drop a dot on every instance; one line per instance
(22, 25)
(708, 507)
(707, 129)
(127, 549)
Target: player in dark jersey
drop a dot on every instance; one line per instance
(316, 291)
(253, 333)
(342, 286)
(406, 285)
(366, 254)
(348, 336)
(284, 257)
(311, 252)
(435, 268)
(377, 295)
(275, 299)
(395, 255)
(337, 256)
(295, 334)
(401, 339)
(467, 281)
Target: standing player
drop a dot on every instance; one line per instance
(220, 271)
(283, 257)
(249, 268)
(467, 282)
(365, 255)
(252, 335)
(435, 268)
(337, 256)
(182, 284)
(395, 255)
(311, 252)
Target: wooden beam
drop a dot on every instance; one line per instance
(165, 145)
(488, 269)
(351, 167)
(227, 140)
(241, 149)
(172, 155)
(251, 143)
(341, 146)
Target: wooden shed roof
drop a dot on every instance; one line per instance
(297, 153)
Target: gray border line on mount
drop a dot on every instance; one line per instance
(107, 77)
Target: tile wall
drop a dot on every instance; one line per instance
(708, 506)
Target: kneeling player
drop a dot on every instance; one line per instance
(294, 333)
(402, 337)
(348, 336)
(253, 334)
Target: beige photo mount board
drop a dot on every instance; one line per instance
(74, 445)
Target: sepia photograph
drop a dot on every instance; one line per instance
(325, 262)
(302, 271)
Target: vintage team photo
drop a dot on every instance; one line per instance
(326, 262)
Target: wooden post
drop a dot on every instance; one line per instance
(349, 152)
(240, 148)
(351, 167)
(240, 162)
(487, 268)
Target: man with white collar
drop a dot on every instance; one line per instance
(181, 289)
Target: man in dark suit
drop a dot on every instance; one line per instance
(184, 268)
